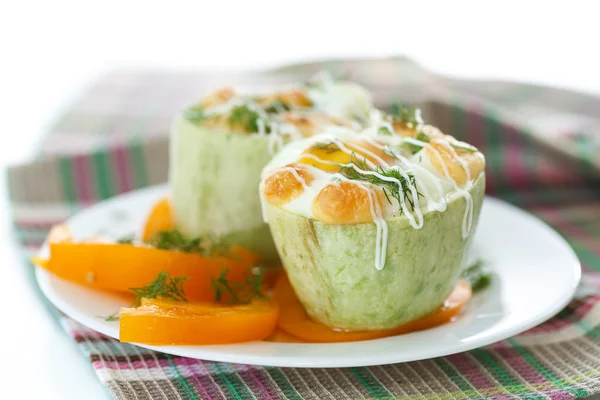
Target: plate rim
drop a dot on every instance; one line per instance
(44, 278)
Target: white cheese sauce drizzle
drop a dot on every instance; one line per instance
(417, 222)
(381, 236)
(262, 130)
(375, 208)
(275, 140)
(432, 203)
(220, 109)
(280, 134)
(388, 126)
(461, 192)
(430, 200)
(297, 176)
(439, 204)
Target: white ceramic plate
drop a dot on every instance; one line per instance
(535, 275)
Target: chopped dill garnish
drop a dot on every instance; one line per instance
(411, 118)
(164, 285)
(423, 137)
(384, 130)
(318, 80)
(195, 113)
(415, 148)
(221, 285)
(230, 291)
(330, 147)
(312, 84)
(401, 192)
(403, 114)
(387, 150)
(126, 240)
(174, 240)
(245, 117)
(255, 281)
(477, 275)
(112, 317)
(276, 107)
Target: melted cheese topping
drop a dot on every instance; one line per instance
(294, 113)
(352, 175)
(344, 100)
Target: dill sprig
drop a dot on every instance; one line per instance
(312, 84)
(112, 317)
(277, 106)
(321, 79)
(230, 291)
(174, 240)
(195, 113)
(245, 117)
(477, 275)
(255, 281)
(387, 150)
(402, 113)
(385, 131)
(401, 192)
(164, 285)
(415, 148)
(126, 240)
(329, 147)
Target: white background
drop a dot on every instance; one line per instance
(49, 50)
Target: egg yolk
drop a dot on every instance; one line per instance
(285, 184)
(345, 203)
(329, 156)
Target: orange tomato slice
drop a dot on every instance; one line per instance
(119, 267)
(165, 322)
(294, 320)
(160, 219)
(281, 336)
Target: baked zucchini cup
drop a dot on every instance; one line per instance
(373, 226)
(219, 146)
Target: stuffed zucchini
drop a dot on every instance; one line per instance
(219, 147)
(373, 226)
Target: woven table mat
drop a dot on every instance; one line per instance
(542, 147)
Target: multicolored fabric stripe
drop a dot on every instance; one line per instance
(115, 139)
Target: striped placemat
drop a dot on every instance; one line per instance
(543, 154)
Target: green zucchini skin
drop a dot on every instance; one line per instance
(214, 177)
(332, 271)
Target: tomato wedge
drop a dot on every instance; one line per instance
(166, 322)
(159, 219)
(119, 267)
(294, 320)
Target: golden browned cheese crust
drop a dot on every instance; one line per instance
(345, 203)
(283, 186)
